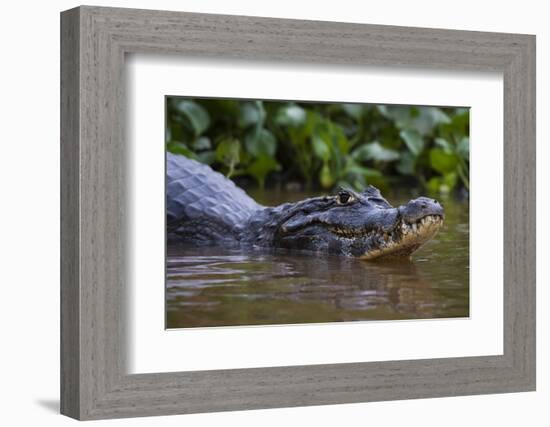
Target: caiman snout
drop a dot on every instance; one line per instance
(419, 208)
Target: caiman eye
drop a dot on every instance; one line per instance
(344, 197)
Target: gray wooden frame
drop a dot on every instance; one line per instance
(94, 41)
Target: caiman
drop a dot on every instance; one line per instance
(203, 207)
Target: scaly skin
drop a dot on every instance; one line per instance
(205, 208)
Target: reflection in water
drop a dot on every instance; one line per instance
(218, 287)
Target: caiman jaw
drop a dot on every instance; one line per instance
(405, 238)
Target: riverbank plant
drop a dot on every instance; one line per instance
(324, 145)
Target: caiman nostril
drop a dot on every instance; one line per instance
(423, 205)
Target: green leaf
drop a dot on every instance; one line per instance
(413, 139)
(463, 148)
(420, 119)
(443, 162)
(437, 115)
(261, 167)
(180, 148)
(207, 157)
(353, 110)
(258, 142)
(290, 115)
(321, 147)
(228, 153)
(428, 119)
(443, 184)
(450, 180)
(444, 144)
(363, 171)
(339, 137)
(203, 143)
(196, 117)
(299, 136)
(359, 175)
(220, 108)
(176, 132)
(375, 151)
(461, 121)
(325, 177)
(459, 126)
(434, 184)
(251, 113)
(407, 163)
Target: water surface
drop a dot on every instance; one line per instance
(220, 287)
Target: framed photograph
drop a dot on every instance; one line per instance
(263, 213)
(300, 257)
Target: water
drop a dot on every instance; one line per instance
(216, 287)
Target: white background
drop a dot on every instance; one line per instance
(152, 349)
(29, 236)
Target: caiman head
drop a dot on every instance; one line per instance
(362, 225)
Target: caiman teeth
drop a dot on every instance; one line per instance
(354, 233)
(402, 229)
(417, 226)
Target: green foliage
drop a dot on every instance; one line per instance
(193, 115)
(228, 153)
(375, 151)
(324, 145)
(413, 140)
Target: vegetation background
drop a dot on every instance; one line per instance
(316, 146)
